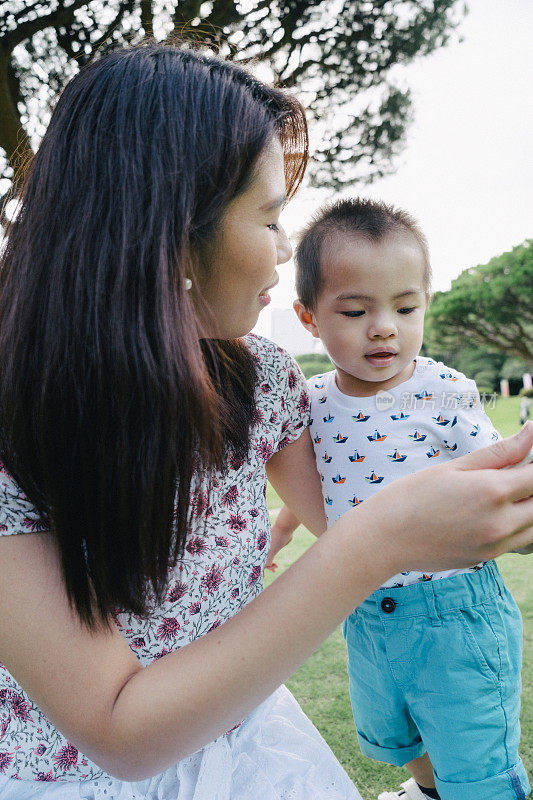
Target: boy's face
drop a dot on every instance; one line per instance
(370, 311)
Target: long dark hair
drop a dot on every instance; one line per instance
(110, 401)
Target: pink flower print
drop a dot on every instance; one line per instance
(303, 402)
(212, 579)
(20, 708)
(40, 749)
(254, 575)
(4, 697)
(274, 417)
(138, 642)
(237, 522)
(236, 561)
(235, 461)
(196, 545)
(5, 761)
(261, 541)
(177, 591)
(168, 628)
(292, 379)
(216, 624)
(221, 541)
(230, 496)
(161, 653)
(3, 727)
(199, 503)
(257, 416)
(264, 449)
(34, 525)
(284, 426)
(283, 442)
(66, 757)
(45, 776)
(235, 592)
(3, 526)
(195, 607)
(266, 388)
(253, 512)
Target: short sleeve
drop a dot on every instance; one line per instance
(471, 428)
(282, 396)
(17, 513)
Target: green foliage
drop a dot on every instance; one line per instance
(339, 56)
(489, 306)
(314, 364)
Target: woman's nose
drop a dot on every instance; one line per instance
(284, 247)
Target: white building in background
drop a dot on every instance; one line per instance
(289, 333)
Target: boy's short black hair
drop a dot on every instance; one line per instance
(371, 219)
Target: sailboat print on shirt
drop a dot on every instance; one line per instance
(323, 398)
(356, 457)
(339, 438)
(451, 447)
(377, 437)
(338, 478)
(317, 439)
(401, 415)
(360, 417)
(329, 418)
(396, 457)
(417, 436)
(354, 501)
(440, 420)
(326, 458)
(373, 478)
(432, 453)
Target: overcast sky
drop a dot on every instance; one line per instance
(467, 171)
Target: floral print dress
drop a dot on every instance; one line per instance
(221, 572)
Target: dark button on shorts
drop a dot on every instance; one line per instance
(388, 605)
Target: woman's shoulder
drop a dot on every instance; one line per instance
(17, 512)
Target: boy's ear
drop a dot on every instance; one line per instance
(306, 318)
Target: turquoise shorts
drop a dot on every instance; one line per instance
(435, 667)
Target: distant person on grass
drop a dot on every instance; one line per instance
(434, 658)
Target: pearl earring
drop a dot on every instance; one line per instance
(188, 284)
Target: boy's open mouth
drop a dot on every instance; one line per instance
(381, 358)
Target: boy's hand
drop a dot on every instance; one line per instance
(280, 538)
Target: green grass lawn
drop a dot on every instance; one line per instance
(321, 686)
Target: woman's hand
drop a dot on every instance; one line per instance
(459, 513)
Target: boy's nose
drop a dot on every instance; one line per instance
(382, 329)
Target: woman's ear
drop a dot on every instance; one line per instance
(306, 318)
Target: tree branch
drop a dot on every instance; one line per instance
(61, 16)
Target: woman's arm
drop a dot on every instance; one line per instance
(135, 722)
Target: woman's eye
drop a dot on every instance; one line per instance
(273, 227)
(406, 310)
(353, 313)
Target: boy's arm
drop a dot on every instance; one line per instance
(293, 474)
(282, 529)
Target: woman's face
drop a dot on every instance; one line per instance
(241, 261)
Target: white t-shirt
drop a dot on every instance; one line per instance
(364, 443)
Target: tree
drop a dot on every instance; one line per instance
(338, 53)
(489, 306)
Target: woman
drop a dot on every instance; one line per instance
(136, 426)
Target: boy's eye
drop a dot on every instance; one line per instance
(273, 227)
(406, 310)
(353, 313)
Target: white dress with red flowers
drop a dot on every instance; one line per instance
(276, 753)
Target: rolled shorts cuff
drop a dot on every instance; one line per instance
(397, 756)
(512, 784)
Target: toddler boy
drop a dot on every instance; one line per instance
(434, 659)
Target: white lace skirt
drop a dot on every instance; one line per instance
(276, 754)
